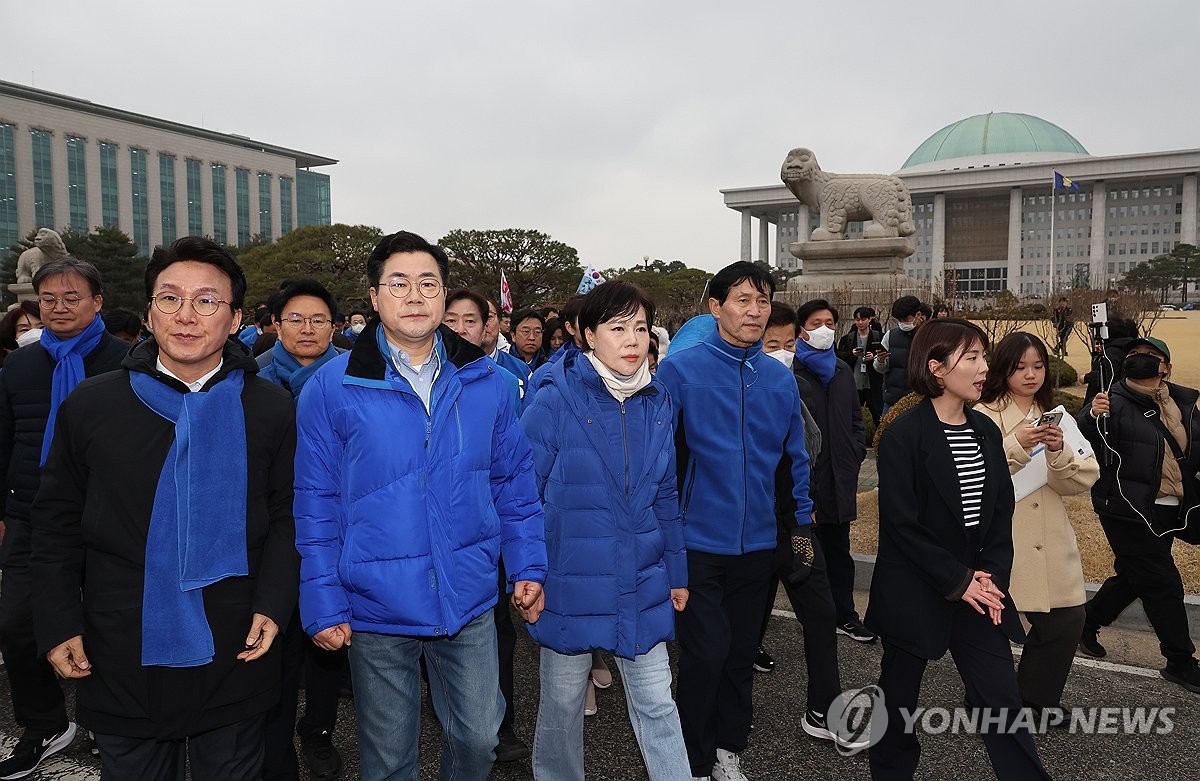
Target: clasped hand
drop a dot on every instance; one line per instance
(983, 595)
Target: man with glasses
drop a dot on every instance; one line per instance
(35, 380)
(162, 587)
(528, 327)
(304, 311)
(413, 476)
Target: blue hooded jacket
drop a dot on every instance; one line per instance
(401, 514)
(606, 473)
(739, 414)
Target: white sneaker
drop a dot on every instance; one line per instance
(728, 767)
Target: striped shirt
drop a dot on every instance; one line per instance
(968, 459)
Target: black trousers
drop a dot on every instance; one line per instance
(506, 644)
(813, 606)
(37, 698)
(1047, 654)
(232, 753)
(718, 638)
(835, 541)
(984, 660)
(1146, 571)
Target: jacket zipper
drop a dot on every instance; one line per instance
(625, 443)
(687, 490)
(742, 384)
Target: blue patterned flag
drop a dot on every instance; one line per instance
(1065, 183)
(591, 278)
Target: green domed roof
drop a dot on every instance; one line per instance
(995, 133)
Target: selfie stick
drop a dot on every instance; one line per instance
(1099, 328)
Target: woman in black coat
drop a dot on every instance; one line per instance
(945, 554)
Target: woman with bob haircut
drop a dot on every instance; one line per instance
(1047, 573)
(945, 554)
(604, 456)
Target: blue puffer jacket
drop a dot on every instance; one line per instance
(400, 516)
(606, 472)
(739, 412)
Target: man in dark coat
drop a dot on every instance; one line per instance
(855, 350)
(163, 586)
(35, 380)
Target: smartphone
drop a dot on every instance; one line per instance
(875, 347)
(1049, 419)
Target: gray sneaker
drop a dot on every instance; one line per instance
(728, 767)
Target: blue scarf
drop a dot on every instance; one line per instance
(68, 370)
(289, 370)
(198, 525)
(822, 363)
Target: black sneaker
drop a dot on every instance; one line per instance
(510, 748)
(764, 662)
(1186, 675)
(32, 748)
(855, 630)
(814, 724)
(1089, 642)
(321, 755)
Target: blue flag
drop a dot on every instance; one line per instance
(1065, 183)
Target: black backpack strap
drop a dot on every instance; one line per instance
(1156, 419)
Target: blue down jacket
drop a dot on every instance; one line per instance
(400, 515)
(606, 472)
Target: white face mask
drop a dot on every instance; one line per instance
(357, 328)
(783, 356)
(821, 338)
(29, 337)
(907, 326)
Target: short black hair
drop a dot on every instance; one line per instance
(927, 311)
(736, 274)
(905, 306)
(302, 287)
(121, 321)
(938, 340)
(197, 249)
(403, 241)
(265, 319)
(806, 310)
(781, 314)
(570, 310)
(69, 265)
(864, 311)
(610, 300)
(526, 314)
(366, 315)
(474, 297)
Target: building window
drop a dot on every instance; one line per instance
(138, 186)
(195, 216)
(242, 180)
(110, 212)
(166, 186)
(312, 199)
(43, 180)
(220, 219)
(264, 205)
(8, 187)
(77, 182)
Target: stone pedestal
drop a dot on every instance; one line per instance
(851, 272)
(23, 291)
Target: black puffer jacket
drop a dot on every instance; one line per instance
(1130, 477)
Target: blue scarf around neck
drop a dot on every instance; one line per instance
(68, 357)
(289, 370)
(822, 363)
(198, 525)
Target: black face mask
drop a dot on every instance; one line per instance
(1142, 366)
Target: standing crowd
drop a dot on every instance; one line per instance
(198, 525)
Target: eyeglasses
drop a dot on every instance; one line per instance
(50, 302)
(318, 322)
(529, 332)
(205, 306)
(400, 287)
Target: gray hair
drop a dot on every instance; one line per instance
(67, 265)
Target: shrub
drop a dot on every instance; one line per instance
(895, 411)
(1061, 374)
(868, 424)
(1072, 403)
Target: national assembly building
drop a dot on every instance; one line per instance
(69, 163)
(982, 204)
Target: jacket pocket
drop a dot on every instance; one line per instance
(687, 490)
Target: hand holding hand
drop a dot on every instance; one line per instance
(983, 596)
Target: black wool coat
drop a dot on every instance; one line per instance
(90, 523)
(833, 475)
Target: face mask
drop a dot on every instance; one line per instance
(1142, 366)
(357, 328)
(29, 337)
(907, 326)
(821, 338)
(783, 356)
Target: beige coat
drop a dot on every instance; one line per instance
(1046, 572)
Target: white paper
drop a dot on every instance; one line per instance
(1035, 474)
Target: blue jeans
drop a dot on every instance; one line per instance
(463, 682)
(558, 741)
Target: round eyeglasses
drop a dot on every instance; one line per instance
(429, 288)
(318, 322)
(169, 304)
(50, 302)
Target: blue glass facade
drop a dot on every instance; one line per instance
(195, 215)
(138, 185)
(220, 218)
(8, 188)
(43, 180)
(166, 188)
(312, 193)
(77, 183)
(264, 205)
(110, 211)
(285, 205)
(242, 183)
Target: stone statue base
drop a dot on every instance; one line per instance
(23, 291)
(852, 272)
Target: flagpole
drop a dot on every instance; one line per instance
(1053, 209)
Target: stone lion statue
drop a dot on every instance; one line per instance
(880, 200)
(47, 246)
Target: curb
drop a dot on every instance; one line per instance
(1133, 619)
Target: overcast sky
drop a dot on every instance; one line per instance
(611, 125)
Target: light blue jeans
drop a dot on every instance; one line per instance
(464, 682)
(558, 741)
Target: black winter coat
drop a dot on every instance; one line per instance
(90, 523)
(24, 406)
(833, 476)
(1130, 478)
